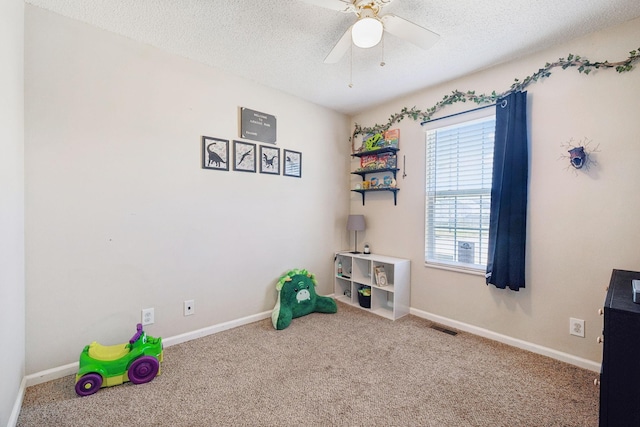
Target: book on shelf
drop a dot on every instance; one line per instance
(369, 161)
(383, 160)
(392, 137)
(392, 162)
(380, 275)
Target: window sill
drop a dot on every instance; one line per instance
(457, 269)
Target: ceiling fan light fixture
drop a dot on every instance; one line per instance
(367, 31)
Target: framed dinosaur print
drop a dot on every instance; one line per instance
(244, 156)
(215, 153)
(269, 160)
(292, 163)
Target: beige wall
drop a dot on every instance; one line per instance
(120, 215)
(12, 284)
(580, 227)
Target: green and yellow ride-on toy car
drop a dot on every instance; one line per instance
(137, 361)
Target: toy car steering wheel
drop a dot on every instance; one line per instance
(137, 335)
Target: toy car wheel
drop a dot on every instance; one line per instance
(88, 384)
(143, 369)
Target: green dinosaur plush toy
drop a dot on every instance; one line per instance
(297, 297)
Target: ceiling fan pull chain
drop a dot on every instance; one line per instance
(382, 63)
(351, 67)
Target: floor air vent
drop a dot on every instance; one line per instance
(445, 330)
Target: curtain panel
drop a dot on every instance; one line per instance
(508, 218)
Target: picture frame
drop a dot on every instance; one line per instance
(269, 160)
(244, 156)
(380, 275)
(215, 153)
(292, 163)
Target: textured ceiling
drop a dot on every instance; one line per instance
(282, 43)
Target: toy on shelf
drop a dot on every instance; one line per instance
(137, 361)
(376, 141)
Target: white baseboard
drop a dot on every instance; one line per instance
(514, 342)
(17, 406)
(72, 368)
(51, 374)
(199, 333)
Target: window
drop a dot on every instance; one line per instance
(459, 160)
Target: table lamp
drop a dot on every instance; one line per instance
(355, 223)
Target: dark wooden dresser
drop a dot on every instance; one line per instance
(620, 372)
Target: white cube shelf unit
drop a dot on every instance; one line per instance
(358, 270)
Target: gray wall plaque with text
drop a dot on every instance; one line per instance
(257, 126)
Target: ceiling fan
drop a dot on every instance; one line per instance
(367, 31)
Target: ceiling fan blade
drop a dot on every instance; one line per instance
(340, 48)
(409, 31)
(339, 5)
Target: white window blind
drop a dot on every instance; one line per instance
(459, 160)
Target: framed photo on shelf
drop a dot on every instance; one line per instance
(292, 163)
(215, 153)
(244, 156)
(269, 160)
(380, 275)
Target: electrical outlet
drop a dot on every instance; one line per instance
(189, 307)
(148, 316)
(576, 327)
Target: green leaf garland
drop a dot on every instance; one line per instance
(584, 66)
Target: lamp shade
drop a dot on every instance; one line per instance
(355, 223)
(367, 32)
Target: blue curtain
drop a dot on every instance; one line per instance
(508, 220)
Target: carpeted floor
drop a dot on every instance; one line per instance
(352, 368)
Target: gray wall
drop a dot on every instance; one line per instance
(12, 284)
